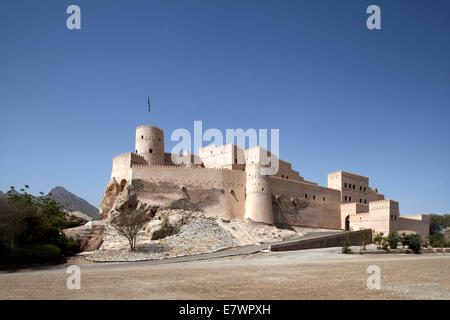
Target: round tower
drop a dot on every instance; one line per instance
(258, 200)
(150, 144)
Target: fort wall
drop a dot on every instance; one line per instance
(418, 224)
(231, 182)
(303, 204)
(381, 217)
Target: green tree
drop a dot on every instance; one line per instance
(393, 239)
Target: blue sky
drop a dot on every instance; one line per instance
(372, 102)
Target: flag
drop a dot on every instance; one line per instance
(148, 102)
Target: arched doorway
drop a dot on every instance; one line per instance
(347, 223)
(123, 183)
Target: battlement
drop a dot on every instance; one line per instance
(226, 170)
(382, 204)
(149, 126)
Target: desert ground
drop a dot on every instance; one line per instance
(307, 274)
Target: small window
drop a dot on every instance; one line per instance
(282, 175)
(364, 189)
(306, 196)
(150, 150)
(354, 187)
(314, 197)
(142, 137)
(365, 200)
(345, 185)
(395, 217)
(349, 198)
(235, 161)
(360, 200)
(287, 177)
(345, 198)
(360, 188)
(323, 199)
(392, 217)
(136, 151)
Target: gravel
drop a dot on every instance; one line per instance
(198, 235)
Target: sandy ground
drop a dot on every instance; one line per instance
(308, 274)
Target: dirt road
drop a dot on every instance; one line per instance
(308, 274)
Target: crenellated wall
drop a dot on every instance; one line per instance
(230, 181)
(382, 216)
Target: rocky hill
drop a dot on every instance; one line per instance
(73, 202)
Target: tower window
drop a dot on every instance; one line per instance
(354, 187)
(323, 199)
(314, 197)
(360, 200)
(150, 150)
(282, 175)
(142, 137)
(364, 189)
(345, 198)
(345, 185)
(360, 188)
(349, 198)
(306, 196)
(365, 200)
(287, 177)
(136, 151)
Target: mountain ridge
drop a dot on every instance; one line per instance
(72, 202)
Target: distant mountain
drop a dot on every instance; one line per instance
(74, 203)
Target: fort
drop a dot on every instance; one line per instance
(220, 185)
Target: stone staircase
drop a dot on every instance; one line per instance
(95, 239)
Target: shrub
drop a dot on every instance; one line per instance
(393, 239)
(414, 242)
(346, 247)
(40, 253)
(379, 238)
(437, 240)
(31, 229)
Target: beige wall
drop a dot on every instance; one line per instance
(316, 206)
(381, 217)
(419, 224)
(353, 187)
(231, 182)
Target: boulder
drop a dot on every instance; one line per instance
(81, 233)
(159, 232)
(77, 218)
(113, 189)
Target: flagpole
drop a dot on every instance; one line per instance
(148, 101)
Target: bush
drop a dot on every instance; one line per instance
(379, 238)
(414, 242)
(393, 239)
(437, 240)
(31, 229)
(346, 247)
(40, 253)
